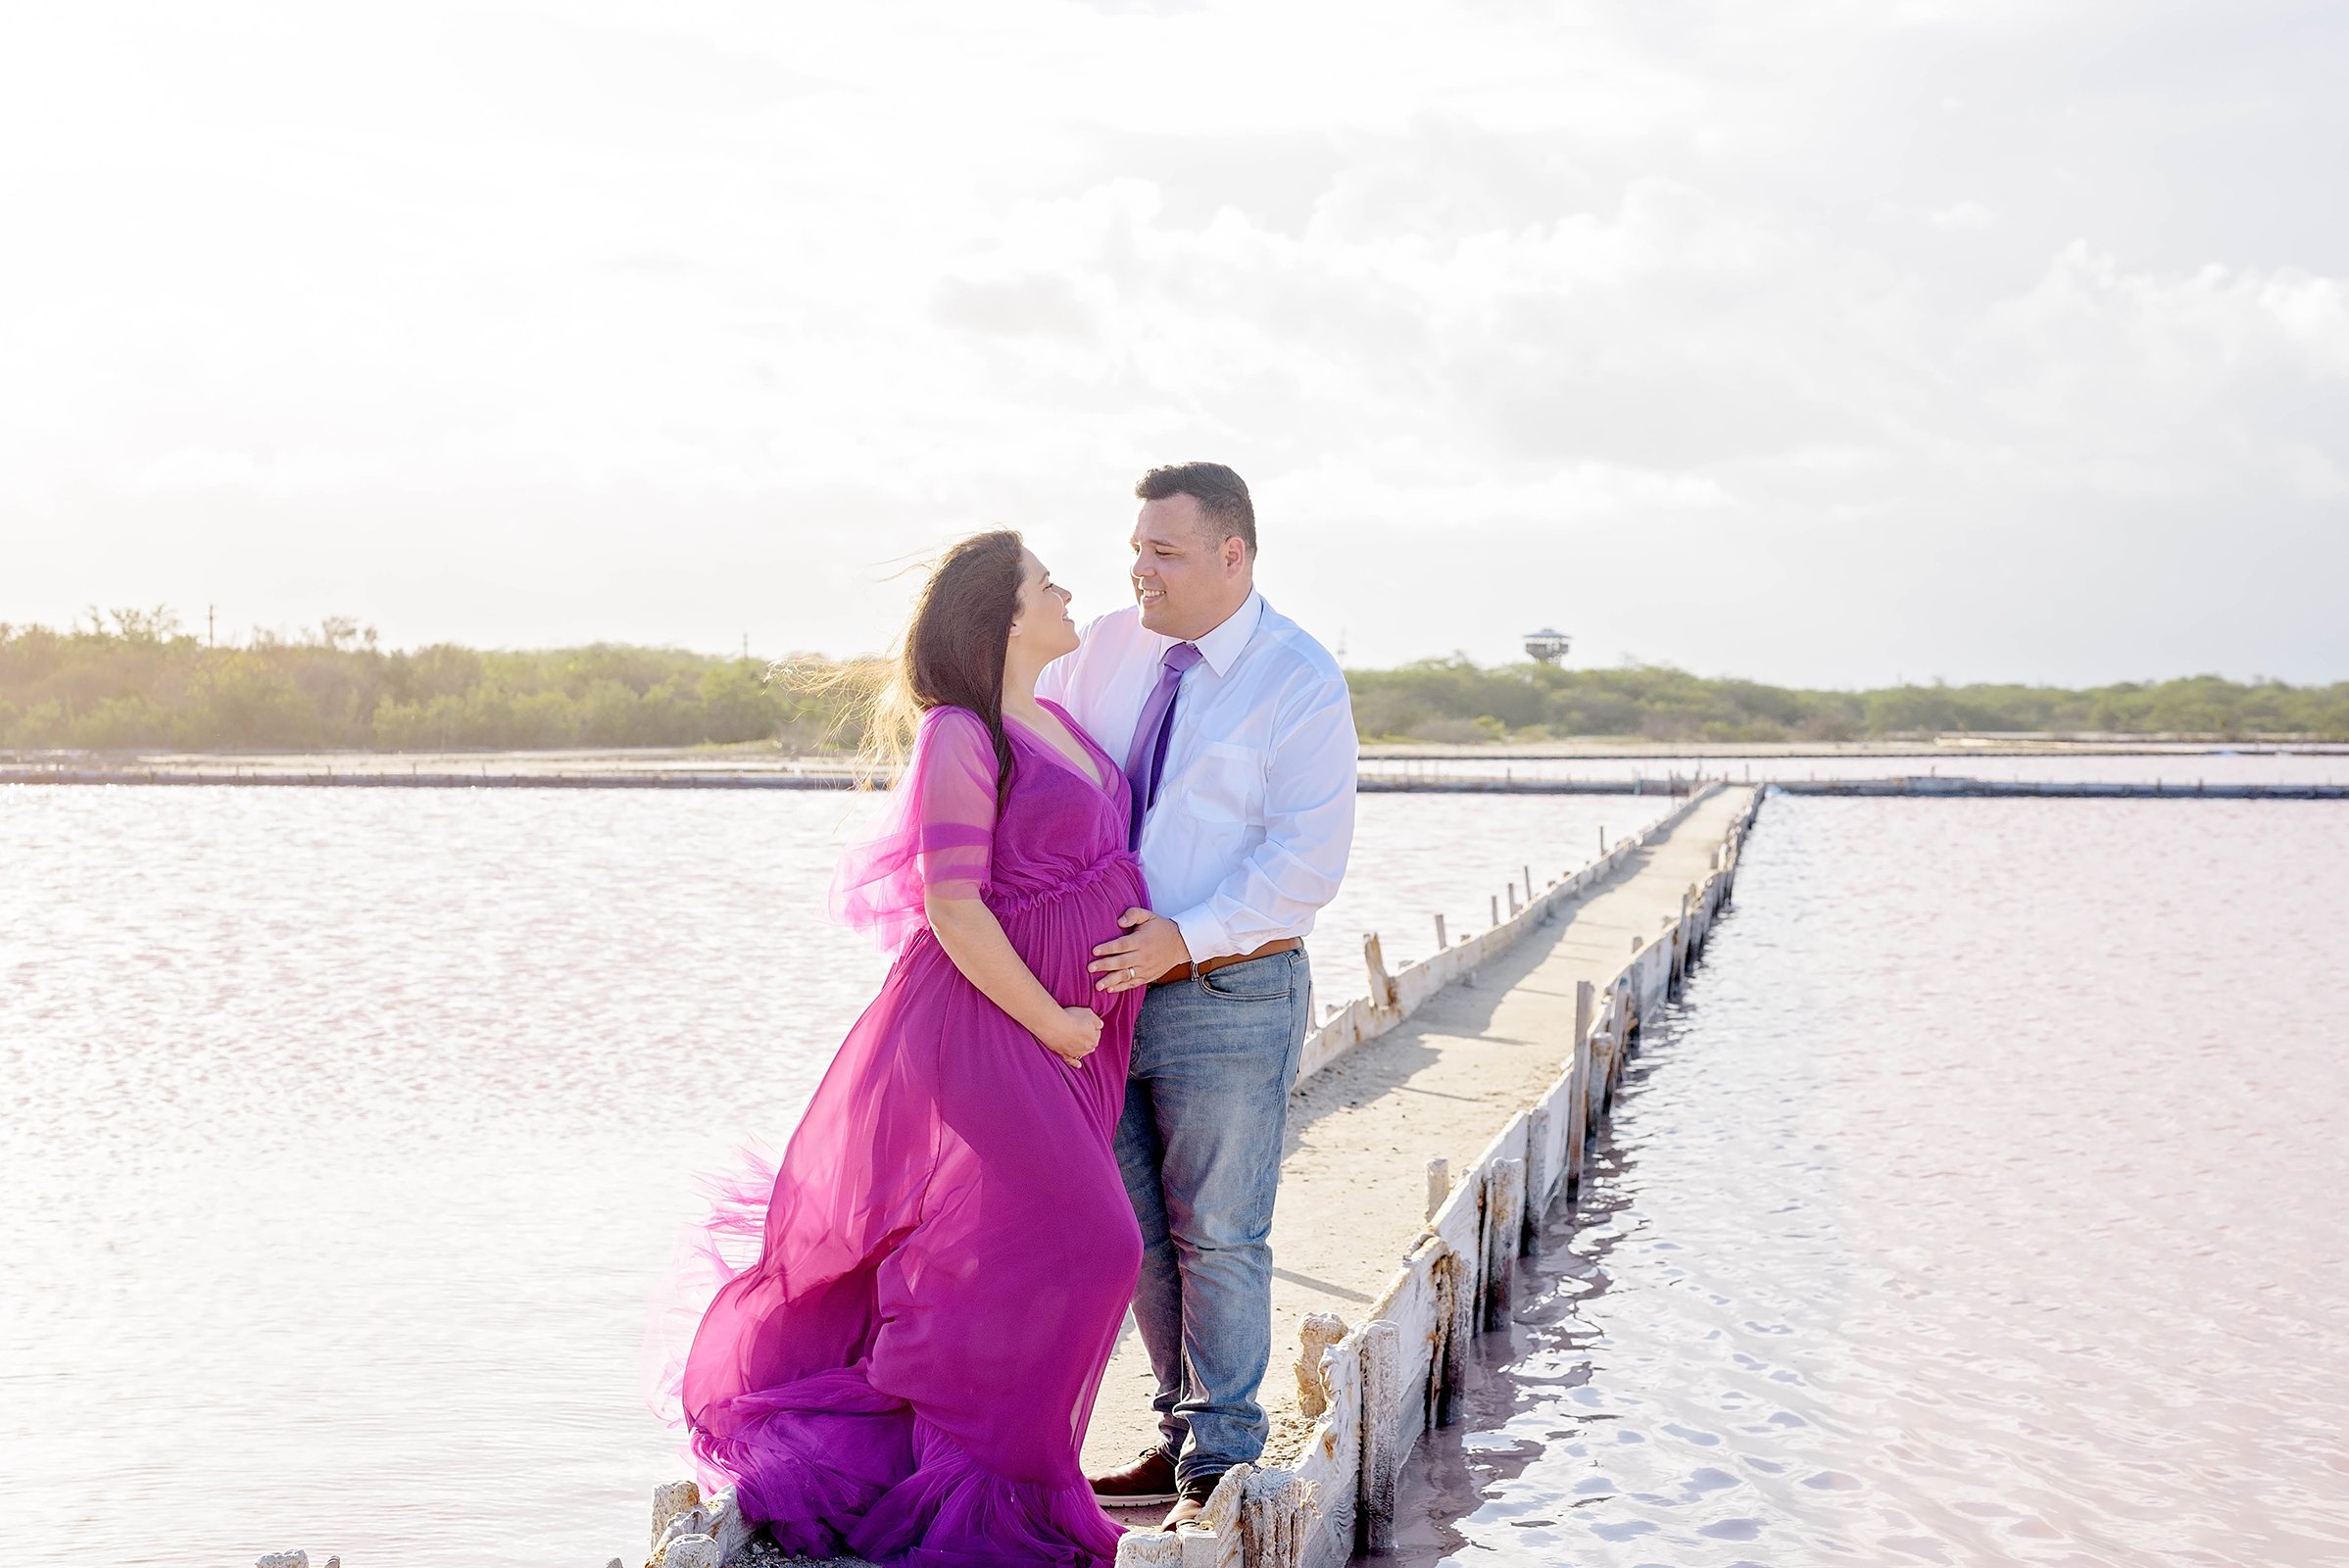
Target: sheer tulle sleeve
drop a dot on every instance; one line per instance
(937, 832)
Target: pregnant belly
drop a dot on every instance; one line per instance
(1056, 932)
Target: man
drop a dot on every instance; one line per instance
(1239, 741)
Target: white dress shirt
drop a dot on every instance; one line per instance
(1248, 837)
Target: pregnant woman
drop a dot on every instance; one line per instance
(906, 1371)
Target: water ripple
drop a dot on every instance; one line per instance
(1981, 1206)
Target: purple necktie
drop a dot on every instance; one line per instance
(1146, 758)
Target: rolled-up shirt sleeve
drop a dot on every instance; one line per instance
(1309, 831)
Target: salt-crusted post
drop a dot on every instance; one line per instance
(1594, 1088)
(1318, 1332)
(691, 1533)
(669, 1499)
(1382, 1434)
(1537, 1176)
(1505, 1194)
(1382, 983)
(1274, 1517)
(1627, 1024)
(1678, 967)
(1623, 1012)
(1578, 1102)
(1212, 1540)
(1463, 1289)
(1215, 1541)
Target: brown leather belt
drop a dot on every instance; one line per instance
(1184, 972)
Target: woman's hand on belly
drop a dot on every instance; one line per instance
(974, 938)
(1079, 1037)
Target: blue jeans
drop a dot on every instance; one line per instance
(1200, 1147)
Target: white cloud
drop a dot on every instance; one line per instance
(1962, 216)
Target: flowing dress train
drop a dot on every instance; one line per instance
(906, 1371)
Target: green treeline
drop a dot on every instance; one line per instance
(133, 679)
(1454, 700)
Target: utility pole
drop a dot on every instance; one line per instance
(208, 624)
(746, 647)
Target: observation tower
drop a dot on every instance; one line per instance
(1548, 645)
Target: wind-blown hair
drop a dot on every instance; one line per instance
(953, 651)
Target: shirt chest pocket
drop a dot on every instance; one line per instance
(1224, 783)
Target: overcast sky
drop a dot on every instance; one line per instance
(1813, 341)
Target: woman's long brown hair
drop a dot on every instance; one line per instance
(955, 643)
(953, 653)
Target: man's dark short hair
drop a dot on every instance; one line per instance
(1221, 494)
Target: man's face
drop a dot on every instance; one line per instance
(1186, 579)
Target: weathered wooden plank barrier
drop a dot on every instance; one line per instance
(1378, 1386)
(1395, 997)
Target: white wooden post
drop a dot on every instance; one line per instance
(1272, 1520)
(1465, 1284)
(1382, 983)
(1316, 1333)
(1578, 1103)
(1537, 1176)
(1506, 1196)
(1382, 1434)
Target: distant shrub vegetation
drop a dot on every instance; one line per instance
(1454, 700)
(132, 680)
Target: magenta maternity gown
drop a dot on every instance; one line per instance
(906, 1371)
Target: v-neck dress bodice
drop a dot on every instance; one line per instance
(1105, 774)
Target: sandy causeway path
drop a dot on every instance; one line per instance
(1353, 1177)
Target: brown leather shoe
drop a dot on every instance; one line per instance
(1147, 1483)
(1191, 1503)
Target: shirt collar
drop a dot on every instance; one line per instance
(1219, 648)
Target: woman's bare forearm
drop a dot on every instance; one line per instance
(974, 939)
